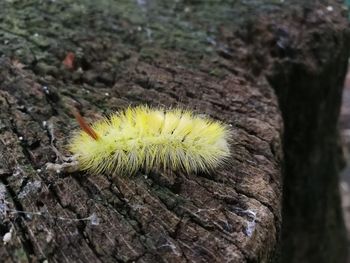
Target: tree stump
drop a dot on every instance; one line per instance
(222, 58)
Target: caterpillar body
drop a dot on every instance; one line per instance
(147, 138)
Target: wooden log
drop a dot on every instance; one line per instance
(211, 57)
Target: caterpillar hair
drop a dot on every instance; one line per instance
(145, 138)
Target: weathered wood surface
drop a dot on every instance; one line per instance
(212, 57)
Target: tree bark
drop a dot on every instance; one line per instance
(226, 59)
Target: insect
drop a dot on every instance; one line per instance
(150, 138)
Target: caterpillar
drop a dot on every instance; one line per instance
(150, 138)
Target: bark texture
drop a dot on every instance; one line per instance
(221, 58)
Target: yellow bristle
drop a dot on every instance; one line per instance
(144, 138)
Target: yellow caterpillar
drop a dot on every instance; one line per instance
(145, 138)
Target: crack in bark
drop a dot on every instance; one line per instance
(78, 216)
(196, 220)
(26, 241)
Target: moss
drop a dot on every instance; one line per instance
(20, 255)
(217, 72)
(187, 26)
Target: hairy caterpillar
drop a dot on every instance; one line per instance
(146, 138)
